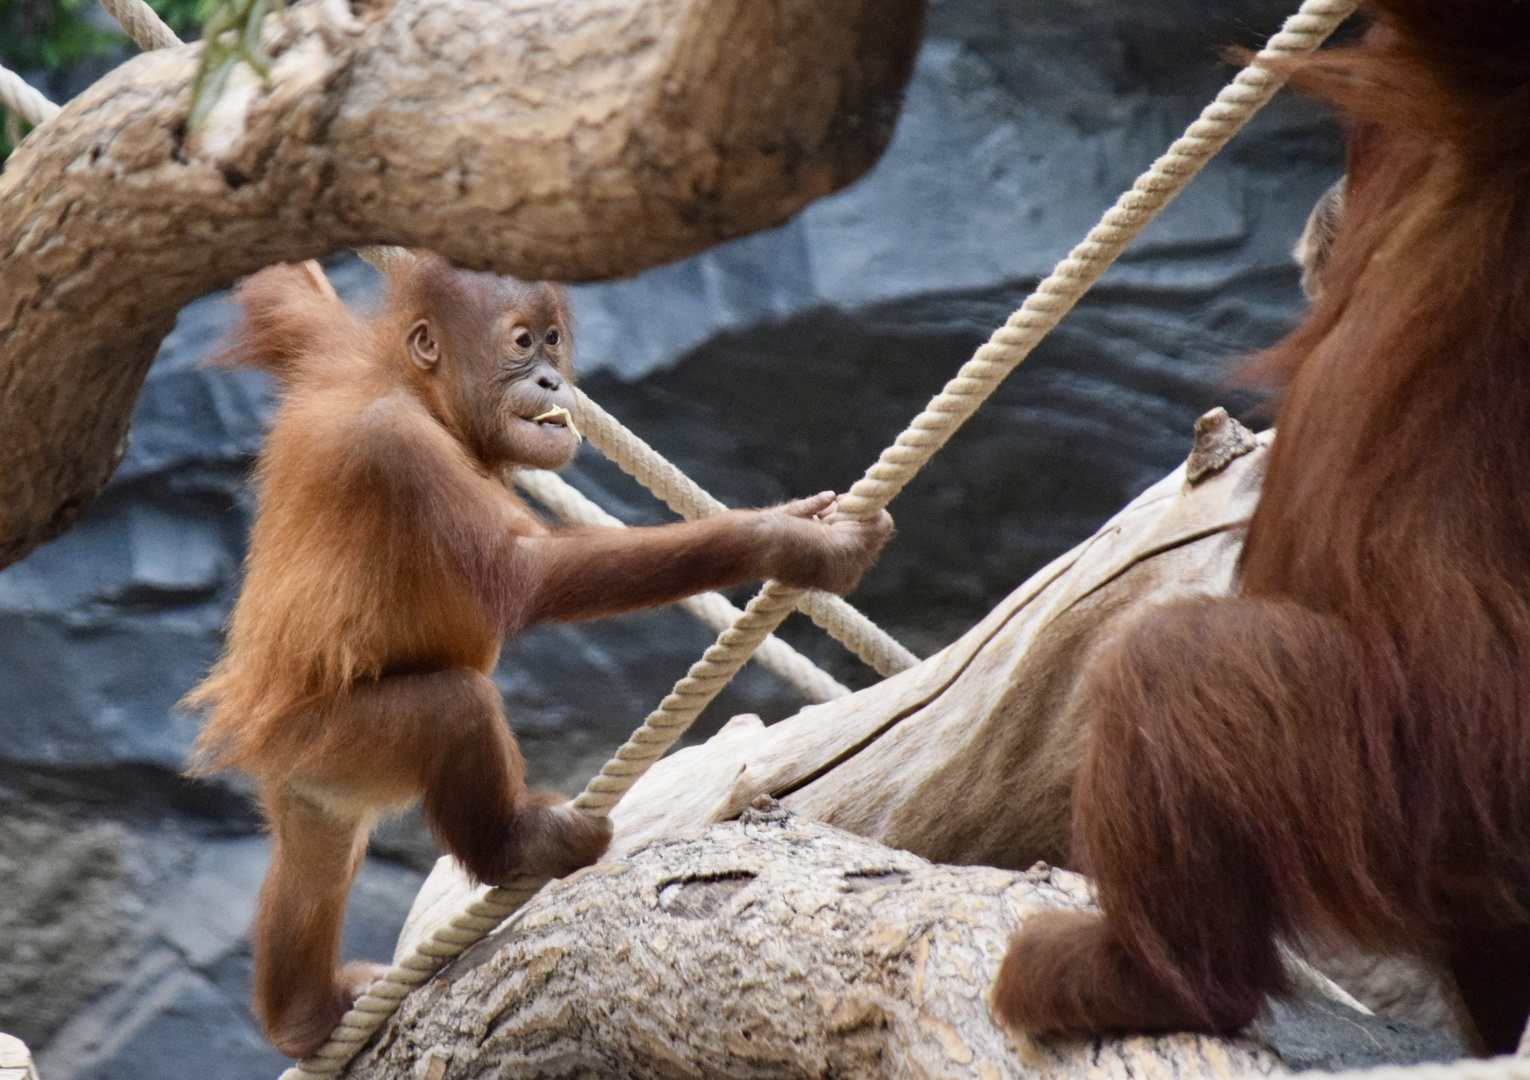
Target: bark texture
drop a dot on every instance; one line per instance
(768, 947)
(562, 139)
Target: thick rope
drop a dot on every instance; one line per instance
(493, 907)
(1304, 32)
(142, 24)
(19, 96)
(686, 701)
(570, 504)
(630, 453)
(978, 378)
(879, 649)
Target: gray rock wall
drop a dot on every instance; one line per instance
(771, 367)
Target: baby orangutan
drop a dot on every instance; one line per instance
(387, 565)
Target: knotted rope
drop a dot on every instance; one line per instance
(977, 379)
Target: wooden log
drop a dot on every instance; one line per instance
(768, 947)
(563, 139)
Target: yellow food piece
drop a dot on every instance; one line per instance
(559, 413)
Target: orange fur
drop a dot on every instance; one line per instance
(388, 562)
(1345, 744)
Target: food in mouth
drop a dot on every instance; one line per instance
(558, 417)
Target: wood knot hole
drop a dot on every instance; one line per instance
(864, 880)
(702, 897)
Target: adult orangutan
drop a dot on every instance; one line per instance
(1344, 745)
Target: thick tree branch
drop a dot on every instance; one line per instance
(564, 139)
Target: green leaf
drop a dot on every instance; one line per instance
(212, 77)
(254, 51)
(231, 34)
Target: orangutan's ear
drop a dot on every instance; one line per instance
(423, 348)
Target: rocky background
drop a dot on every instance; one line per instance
(772, 367)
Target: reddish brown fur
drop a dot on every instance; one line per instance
(1344, 745)
(387, 564)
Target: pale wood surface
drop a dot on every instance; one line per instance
(565, 139)
(768, 947)
(969, 757)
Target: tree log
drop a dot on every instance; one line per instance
(764, 948)
(562, 139)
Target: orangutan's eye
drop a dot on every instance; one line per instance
(523, 338)
(552, 336)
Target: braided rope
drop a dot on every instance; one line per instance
(569, 503)
(142, 23)
(494, 906)
(1041, 311)
(690, 696)
(879, 649)
(23, 99)
(811, 681)
(979, 377)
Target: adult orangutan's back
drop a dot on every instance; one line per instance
(1343, 745)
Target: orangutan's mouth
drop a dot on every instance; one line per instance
(558, 417)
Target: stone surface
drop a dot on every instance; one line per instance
(163, 1021)
(67, 914)
(176, 975)
(1309, 1033)
(772, 366)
